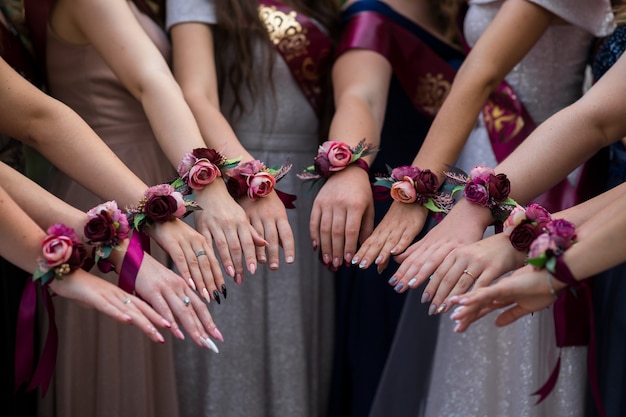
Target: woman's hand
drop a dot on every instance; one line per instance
(193, 256)
(343, 213)
(225, 223)
(269, 217)
(393, 234)
(97, 293)
(527, 290)
(476, 264)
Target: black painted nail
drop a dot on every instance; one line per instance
(224, 290)
(216, 295)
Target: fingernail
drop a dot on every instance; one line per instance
(179, 334)
(398, 287)
(209, 344)
(355, 260)
(431, 277)
(159, 337)
(379, 269)
(393, 280)
(348, 257)
(216, 295)
(456, 312)
(363, 264)
(252, 267)
(379, 259)
(192, 284)
(224, 292)
(412, 282)
(453, 299)
(314, 243)
(441, 308)
(464, 300)
(336, 262)
(432, 309)
(262, 259)
(167, 323)
(217, 334)
(274, 265)
(289, 259)
(238, 279)
(425, 297)
(393, 251)
(205, 294)
(326, 258)
(457, 327)
(230, 271)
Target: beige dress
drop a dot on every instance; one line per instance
(106, 369)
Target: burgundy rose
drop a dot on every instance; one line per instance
(211, 154)
(405, 171)
(237, 186)
(160, 208)
(77, 258)
(100, 228)
(499, 187)
(322, 165)
(426, 183)
(476, 194)
(522, 236)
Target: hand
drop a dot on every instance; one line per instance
(168, 294)
(526, 289)
(192, 254)
(97, 293)
(422, 258)
(393, 234)
(269, 217)
(343, 212)
(476, 264)
(224, 222)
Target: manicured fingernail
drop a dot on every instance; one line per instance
(274, 265)
(252, 267)
(363, 264)
(379, 259)
(456, 312)
(355, 260)
(348, 257)
(457, 327)
(289, 259)
(412, 282)
(336, 262)
(453, 299)
(179, 334)
(326, 259)
(393, 280)
(379, 269)
(159, 336)
(230, 271)
(432, 309)
(209, 344)
(314, 243)
(261, 259)
(238, 279)
(425, 297)
(441, 308)
(464, 300)
(217, 334)
(398, 287)
(216, 295)
(224, 292)
(205, 294)
(192, 284)
(167, 323)
(393, 251)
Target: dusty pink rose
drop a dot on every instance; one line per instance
(404, 191)
(59, 229)
(159, 190)
(476, 194)
(481, 174)
(537, 213)
(339, 155)
(202, 173)
(260, 185)
(562, 232)
(57, 250)
(542, 244)
(249, 168)
(405, 171)
(516, 217)
(185, 164)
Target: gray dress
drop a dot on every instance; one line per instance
(275, 360)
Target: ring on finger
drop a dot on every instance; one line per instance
(186, 301)
(469, 273)
(126, 300)
(199, 253)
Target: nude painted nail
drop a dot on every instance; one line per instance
(218, 335)
(432, 309)
(289, 259)
(252, 267)
(205, 294)
(379, 259)
(230, 271)
(425, 297)
(192, 284)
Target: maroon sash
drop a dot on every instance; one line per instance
(424, 75)
(306, 49)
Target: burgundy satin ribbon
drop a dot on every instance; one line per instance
(132, 261)
(25, 341)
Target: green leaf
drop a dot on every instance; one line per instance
(138, 220)
(430, 205)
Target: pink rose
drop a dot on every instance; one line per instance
(537, 213)
(405, 171)
(202, 173)
(250, 168)
(260, 185)
(339, 155)
(404, 191)
(180, 204)
(476, 194)
(562, 232)
(481, 174)
(57, 250)
(59, 229)
(185, 164)
(542, 244)
(123, 228)
(159, 190)
(516, 217)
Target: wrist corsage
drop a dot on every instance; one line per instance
(524, 225)
(161, 203)
(200, 167)
(409, 184)
(559, 235)
(336, 156)
(254, 179)
(106, 226)
(63, 253)
(485, 188)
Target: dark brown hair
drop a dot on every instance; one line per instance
(448, 18)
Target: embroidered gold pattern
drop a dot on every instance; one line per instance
(284, 31)
(431, 92)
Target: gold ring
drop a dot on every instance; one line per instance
(469, 273)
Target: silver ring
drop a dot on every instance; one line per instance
(469, 273)
(126, 300)
(200, 253)
(186, 301)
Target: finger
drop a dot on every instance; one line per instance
(314, 226)
(271, 235)
(462, 280)
(287, 240)
(211, 273)
(248, 248)
(370, 249)
(161, 305)
(325, 240)
(353, 228)
(338, 232)
(221, 246)
(367, 223)
(261, 254)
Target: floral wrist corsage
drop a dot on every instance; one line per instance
(485, 188)
(254, 179)
(200, 167)
(106, 227)
(63, 253)
(559, 235)
(161, 203)
(524, 225)
(336, 156)
(409, 184)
